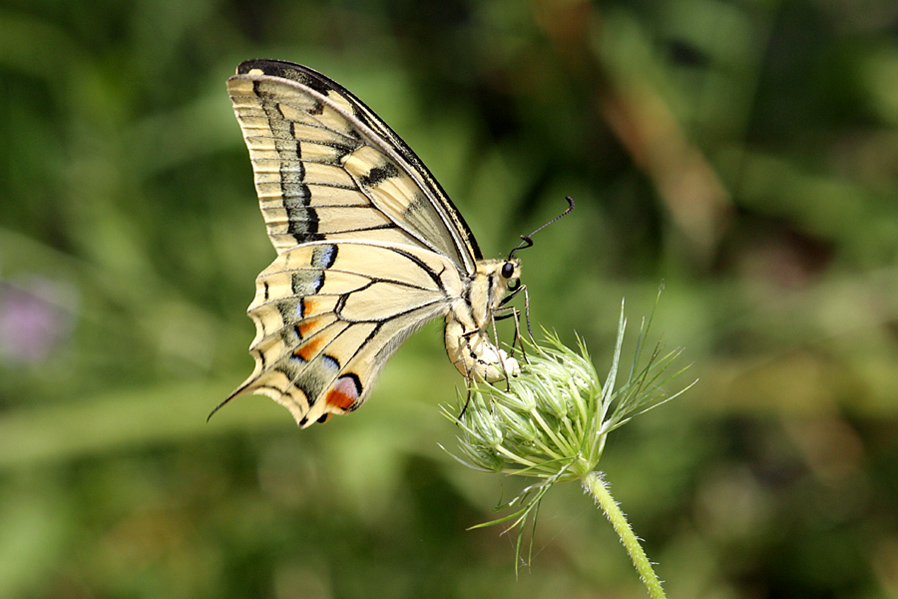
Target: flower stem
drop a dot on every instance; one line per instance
(595, 486)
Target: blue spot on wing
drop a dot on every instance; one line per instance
(324, 255)
(330, 362)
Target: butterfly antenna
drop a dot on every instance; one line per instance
(526, 242)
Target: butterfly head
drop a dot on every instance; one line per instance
(489, 285)
(510, 274)
(493, 279)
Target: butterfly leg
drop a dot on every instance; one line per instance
(496, 342)
(517, 326)
(510, 296)
(464, 408)
(523, 288)
(469, 380)
(513, 312)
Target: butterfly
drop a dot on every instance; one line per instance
(369, 248)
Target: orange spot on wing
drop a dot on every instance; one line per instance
(308, 306)
(344, 393)
(307, 326)
(307, 350)
(338, 399)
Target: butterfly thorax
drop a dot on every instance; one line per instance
(469, 320)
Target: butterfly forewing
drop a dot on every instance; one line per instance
(317, 150)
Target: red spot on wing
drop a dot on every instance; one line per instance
(345, 392)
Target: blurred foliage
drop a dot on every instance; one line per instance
(743, 151)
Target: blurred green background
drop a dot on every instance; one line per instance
(744, 152)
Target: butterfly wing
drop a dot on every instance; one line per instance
(369, 246)
(327, 168)
(328, 315)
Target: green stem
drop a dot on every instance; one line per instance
(596, 487)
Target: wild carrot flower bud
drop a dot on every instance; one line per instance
(551, 422)
(542, 424)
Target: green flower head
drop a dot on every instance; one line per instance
(551, 422)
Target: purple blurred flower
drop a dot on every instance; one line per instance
(36, 316)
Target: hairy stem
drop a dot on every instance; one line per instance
(595, 486)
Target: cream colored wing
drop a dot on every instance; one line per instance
(329, 315)
(369, 247)
(327, 168)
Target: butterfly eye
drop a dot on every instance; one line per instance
(507, 270)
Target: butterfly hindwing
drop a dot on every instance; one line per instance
(328, 315)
